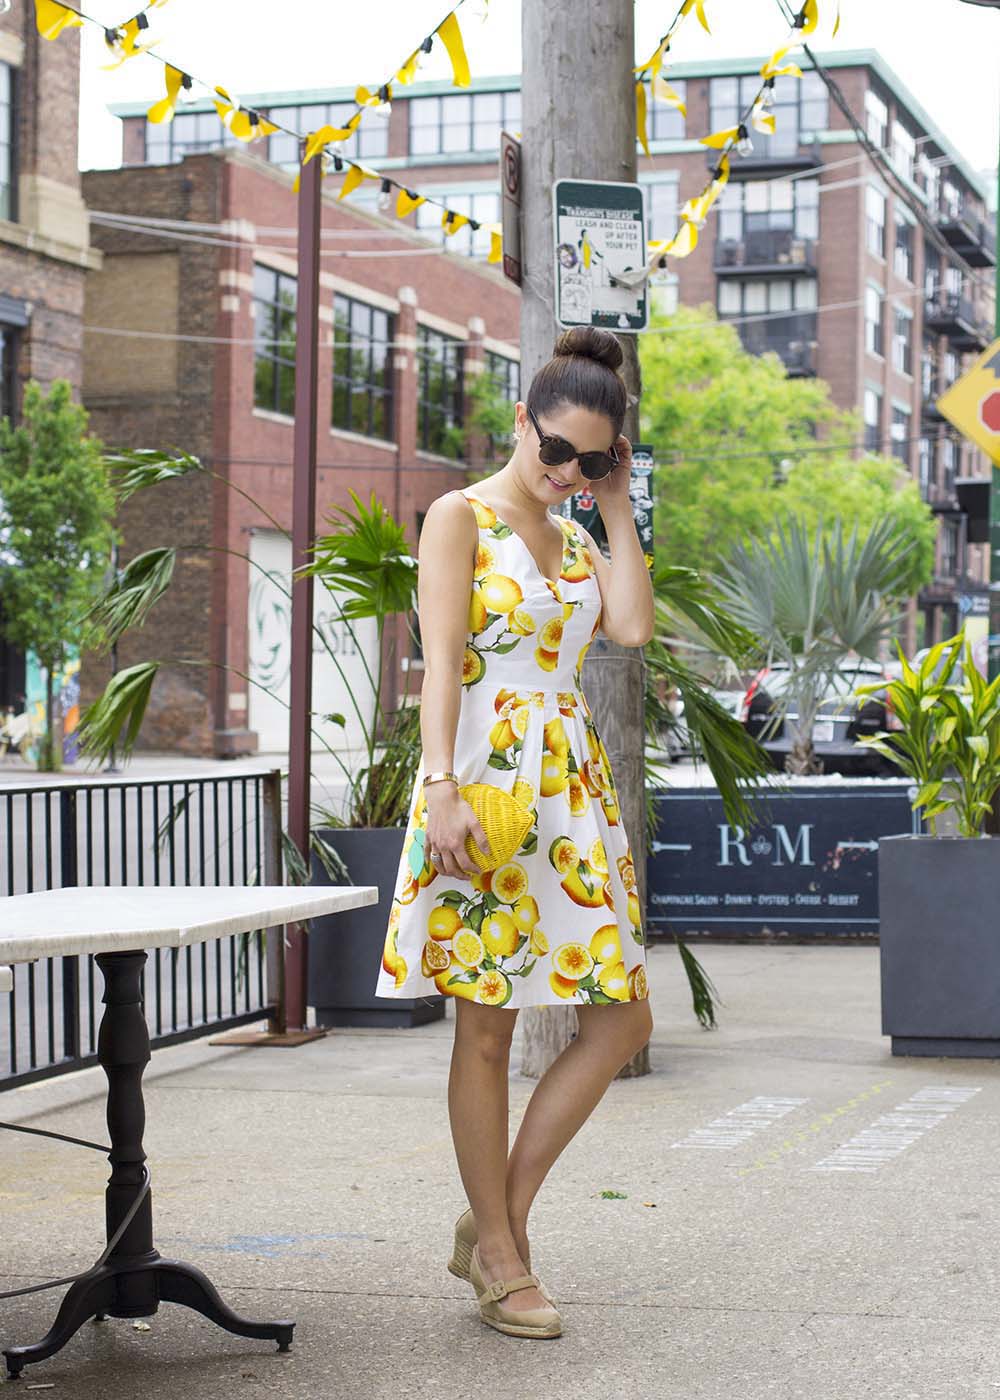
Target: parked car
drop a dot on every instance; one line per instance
(842, 720)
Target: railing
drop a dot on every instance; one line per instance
(792, 337)
(189, 831)
(769, 247)
(956, 317)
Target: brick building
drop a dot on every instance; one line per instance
(191, 333)
(811, 252)
(45, 249)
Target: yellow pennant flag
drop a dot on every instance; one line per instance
(126, 43)
(640, 115)
(772, 68)
(364, 97)
(52, 19)
(408, 71)
(684, 241)
(451, 37)
(718, 139)
(452, 221)
(665, 93)
(315, 141)
(356, 175)
(699, 7)
(836, 22)
(762, 120)
(496, 244)
(344, 133)
(248, 126)
(810, 16)
(163, 111)
(654, 63)
(407, 201)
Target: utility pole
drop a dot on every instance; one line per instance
(578, 122)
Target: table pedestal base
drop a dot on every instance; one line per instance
(134, 1280)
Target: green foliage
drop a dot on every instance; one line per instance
(813, 598)
(949, 740)
(743, 446)
(127, 600)
(113, 721)
(56, 508)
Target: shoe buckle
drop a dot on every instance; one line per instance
(496, 1290)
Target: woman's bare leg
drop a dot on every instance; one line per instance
(566, 1095)
(478, 1108)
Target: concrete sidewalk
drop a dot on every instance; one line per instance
(776, 1239)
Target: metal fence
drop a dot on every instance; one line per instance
(223, 830)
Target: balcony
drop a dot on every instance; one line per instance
(973, 239)
(770, 154)
(948, 314)
(792, 338)
(766, 250)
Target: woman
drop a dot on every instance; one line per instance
(509, 599)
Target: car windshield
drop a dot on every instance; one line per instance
(844, 682)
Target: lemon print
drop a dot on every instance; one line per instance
(521, 622)
(409, 891)
(457, 989)
(478, 616)
(525, 912)
(485, 515)
(394, 916)
(547, 660)
(524, 792)
(509, 882)
(538, 943)
(564, 855)
(500, 593)
(572, 960)
(605, 946)
(633, 910)
(443, 923)
(493, 988)
(597, 856)
(551, 634)
(553, 588)
(501, 736)
(519, 720)
(566, 700)
(389, 954)
(482, 881)
(468, 948)
(401, 970)
(473, 667)
(627, 871)
(613, 981)
(485, 561)
(568, 611)
(576, 794)
(555, 774)
(562, 986)
(434, 959)
(499, 933)
(609, 898)
(583, 652)
(638, 985)
(555, 737)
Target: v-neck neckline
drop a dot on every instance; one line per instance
(469, 495)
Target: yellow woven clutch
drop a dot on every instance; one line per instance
(505, 821)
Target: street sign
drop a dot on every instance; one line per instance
(972, 403)
(600, 231)
(510, 205)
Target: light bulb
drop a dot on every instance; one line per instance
(385, 196)
(5, 6)
(744, 145)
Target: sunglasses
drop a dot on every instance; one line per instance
(554, 451)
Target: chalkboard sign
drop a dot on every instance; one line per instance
(810, 865)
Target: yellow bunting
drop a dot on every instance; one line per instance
(343, 133)
(407, 202)
(163, 111)
(836, 22)
(451, 37)
(126, 43)
(52, 19)
(699, 7)
(364, 97)
(762, 120)
(640, 115)
(315, 141)
(496, 244)
(718, 139)
(810, 16)
(451, 221)
(772, 68)
(654, 63)
(663, 90)
(248, 126)
(408, 71)
(356, 174)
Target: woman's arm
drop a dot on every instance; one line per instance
(627, 615)
(444, 586)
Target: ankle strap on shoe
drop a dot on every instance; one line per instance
(500, 1287)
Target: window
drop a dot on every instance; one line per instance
(925, 467)
(902, 256)
(776, 314)
(949, 463)
(932, 271)
(928, 370)
(461, 122)
(362, 368)
(482, 206)
(188, 134)
(439, 392)
(876, 118)
(761, 206)
(951, 200)
(949, 548)
(904, 150)
(899, 432)
(274, 296)
(902, 340)
(665, 123)
(370, 140)
(661, 208)
(951, 367)
(873, 420)
(505, 376)
(8, 372)
(875, 221)
(8, 181)
(929, 179)
(873, 320)
(800, 109)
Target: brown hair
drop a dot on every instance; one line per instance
(583, 371)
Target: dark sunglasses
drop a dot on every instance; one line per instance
(554, 451)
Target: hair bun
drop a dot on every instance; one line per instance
(591, 343)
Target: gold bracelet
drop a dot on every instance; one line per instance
(440, 777)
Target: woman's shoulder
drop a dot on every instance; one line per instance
(450, 520)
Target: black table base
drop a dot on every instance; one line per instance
(134, 1280)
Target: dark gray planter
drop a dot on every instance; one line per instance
(345, 950)
(939, 936)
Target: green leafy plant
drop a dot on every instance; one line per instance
(949, 740)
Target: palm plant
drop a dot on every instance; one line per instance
(813, 599)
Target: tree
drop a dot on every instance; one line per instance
(56, 512)
(742, 445)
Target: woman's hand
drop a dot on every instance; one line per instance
(450, 820)
(611, 493)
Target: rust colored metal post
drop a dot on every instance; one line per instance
(303, 534)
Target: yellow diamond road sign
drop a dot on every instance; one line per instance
(972, 404)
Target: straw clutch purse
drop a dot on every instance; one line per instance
(505, 821)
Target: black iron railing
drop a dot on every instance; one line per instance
(223, 830)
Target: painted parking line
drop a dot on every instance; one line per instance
(740, 1124)
(895, 1131)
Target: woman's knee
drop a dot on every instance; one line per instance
(484, 1031)
(624, 1029)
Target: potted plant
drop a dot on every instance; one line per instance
(940, 958)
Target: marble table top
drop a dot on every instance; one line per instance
(6, 979)
(115, 919)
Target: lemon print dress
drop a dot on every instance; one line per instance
(560, 922)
